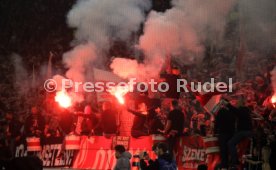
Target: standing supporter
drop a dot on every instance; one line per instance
(174, 125)
(123, 158)
(244, 130)
(34, 125)
(139, 123)
(13, 132)
(108, 121)
(66, 122)
(152, 164)
(52, 128)
(273, 152)
(224, 127)
(164, 160)
(154, 120)
(86, 121)
(89, 121)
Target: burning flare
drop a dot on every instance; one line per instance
(273, 99)
(63, 99)
(119, 92)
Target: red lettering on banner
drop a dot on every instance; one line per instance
(190, 154)
(121, 140)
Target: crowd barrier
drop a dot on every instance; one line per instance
(96, 152)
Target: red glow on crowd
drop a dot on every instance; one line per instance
(63, 99)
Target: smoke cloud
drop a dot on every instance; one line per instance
(97, 24)
(258, 19)
(78, 60)
(102, 21)
(179, 32)
(140, 71)
(21, 82)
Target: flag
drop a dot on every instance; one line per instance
(210, 101)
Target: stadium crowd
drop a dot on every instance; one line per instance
(247, 113)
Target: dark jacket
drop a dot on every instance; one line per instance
(225, 121)
(108, 122)
(15, 128)
(165, 162)
(160, 163)
(154, 121)
(243, 117)
(176, 117)
(150, 122)
(139, 122)
(34, 125)
(244, 120)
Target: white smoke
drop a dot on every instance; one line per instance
(97, 24)
(78, 60)
(101, 21)
(258, 19)
(179, 32)
(129, 68)
(22, 82)
(58, 79)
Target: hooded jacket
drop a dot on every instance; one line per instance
(165, 162)
(123, 163)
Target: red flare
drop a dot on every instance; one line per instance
(273, 99)
(63, 99)
(119, 92)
